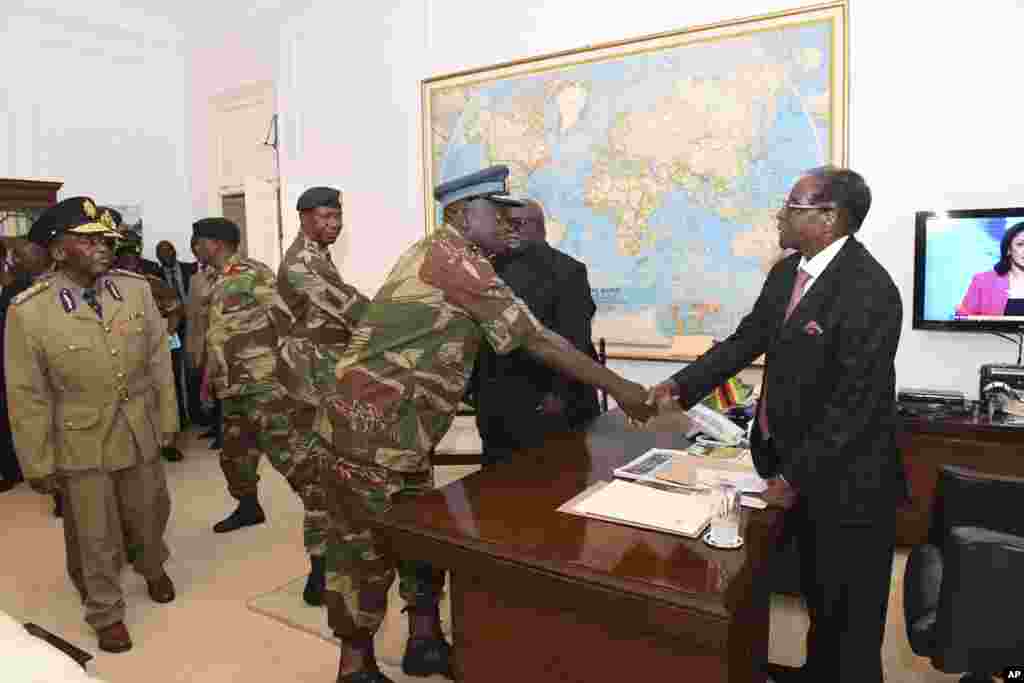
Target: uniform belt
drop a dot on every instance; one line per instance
(123, 392)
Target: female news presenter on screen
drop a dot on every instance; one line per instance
(999, 291)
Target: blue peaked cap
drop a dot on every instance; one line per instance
(490, 183)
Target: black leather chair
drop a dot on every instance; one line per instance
(962, 595)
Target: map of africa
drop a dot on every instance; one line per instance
(662, 170)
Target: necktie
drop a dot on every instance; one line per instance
(89, 296)
(172, 272)
(802, 276)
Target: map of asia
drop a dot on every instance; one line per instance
(660, 163)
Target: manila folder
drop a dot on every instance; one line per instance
(678, 512)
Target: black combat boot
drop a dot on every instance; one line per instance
(313, 594)
(248, 513)
(427, 652)
(363, 649)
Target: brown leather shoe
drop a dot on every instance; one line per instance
(115, 638)
(161, 589)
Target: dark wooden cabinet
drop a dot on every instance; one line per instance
(21, 200)
(993, 447)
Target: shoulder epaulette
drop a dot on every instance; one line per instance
(31, 292)
(127, 273)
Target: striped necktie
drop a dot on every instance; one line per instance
(802, 276)
(89, 296)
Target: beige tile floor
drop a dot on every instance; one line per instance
(212, 632)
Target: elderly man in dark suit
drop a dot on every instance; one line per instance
(828, 322)
(519, 399)
(179, 276)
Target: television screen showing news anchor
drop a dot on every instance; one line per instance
(973, 267)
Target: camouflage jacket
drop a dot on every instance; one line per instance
(403, 374)
(326, 310)
(247, 321)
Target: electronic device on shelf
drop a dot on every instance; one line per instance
(931, 403)
(943, 397)
(951, 248)
(993, 374)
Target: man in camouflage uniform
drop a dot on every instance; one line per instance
(326, 310)
(91, 400)
(399, 383)
(247, 323)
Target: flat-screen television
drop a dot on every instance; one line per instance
(957, 285)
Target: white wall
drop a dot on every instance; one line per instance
(219, 61)
(92, 94)
(934, 118)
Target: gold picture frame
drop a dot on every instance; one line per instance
(447, 103)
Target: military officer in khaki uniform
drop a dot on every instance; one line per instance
(91, 401)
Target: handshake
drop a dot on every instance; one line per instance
(641, 403)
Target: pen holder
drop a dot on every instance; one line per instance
(724, 531)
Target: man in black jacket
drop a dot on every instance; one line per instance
(518, 399)
(828, 322)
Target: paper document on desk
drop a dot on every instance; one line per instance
(746, 482)
(676, 512)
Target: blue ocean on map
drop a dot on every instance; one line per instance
(686, 261)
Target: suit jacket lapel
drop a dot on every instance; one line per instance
(821, 289)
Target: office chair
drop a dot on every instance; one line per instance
(961, 591)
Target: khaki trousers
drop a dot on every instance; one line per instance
(102, 510)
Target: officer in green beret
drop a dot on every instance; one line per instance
(91, 402)
(326, 310)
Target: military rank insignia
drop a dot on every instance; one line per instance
(114, 291)
(67, 300)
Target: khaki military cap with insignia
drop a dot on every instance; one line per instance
(111, 218)
(73, 216)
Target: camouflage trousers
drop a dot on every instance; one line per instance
(360, 570)
(270, 423)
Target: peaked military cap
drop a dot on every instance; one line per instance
(217, 228)
(490, 183)
(74, 216)
(319, 196)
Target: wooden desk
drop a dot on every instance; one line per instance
(540, 595)
(995, 448)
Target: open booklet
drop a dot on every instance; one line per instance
(698, 467)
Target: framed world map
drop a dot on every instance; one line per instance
(660, 162)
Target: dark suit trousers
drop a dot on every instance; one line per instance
(503, 436)
(845, 579)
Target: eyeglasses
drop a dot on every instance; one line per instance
(786, 205)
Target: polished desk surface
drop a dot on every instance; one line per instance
(509, 514)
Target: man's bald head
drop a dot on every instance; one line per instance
(529, 219)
